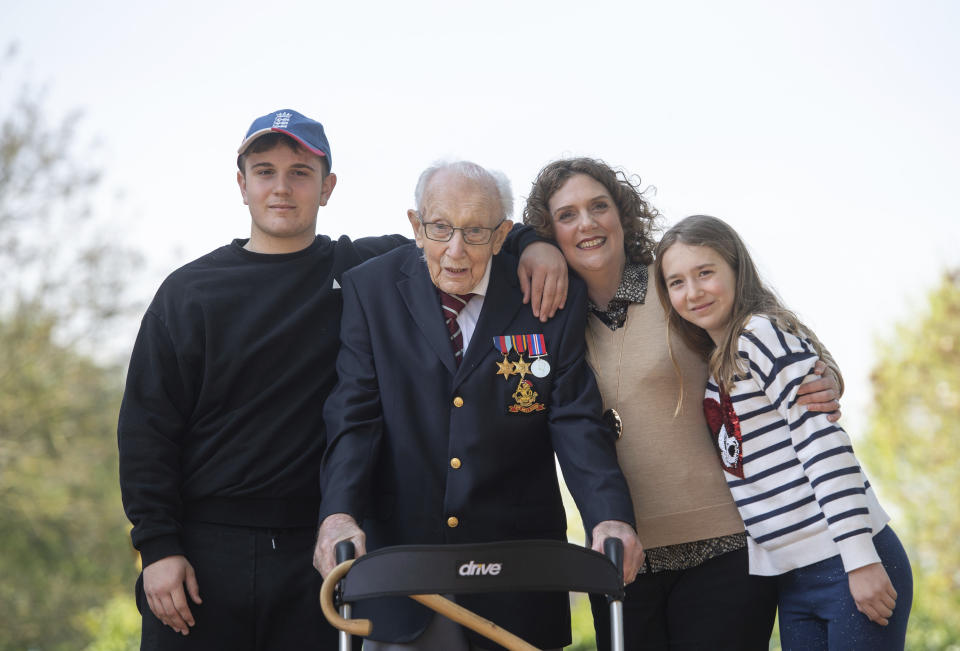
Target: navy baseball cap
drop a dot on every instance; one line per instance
(309, 133)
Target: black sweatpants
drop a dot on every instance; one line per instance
(714, 606)
(259, 590)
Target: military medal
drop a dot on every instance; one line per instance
(504, 344)
(521, 366)
(538, 350)
(524, 396)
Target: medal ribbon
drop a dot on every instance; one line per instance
(536, 345)
(503, 344)
(520, 342)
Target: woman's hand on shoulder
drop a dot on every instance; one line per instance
(873, 592)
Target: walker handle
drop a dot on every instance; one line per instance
(344, 551)
(613, 549)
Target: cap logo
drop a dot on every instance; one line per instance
(281, 121)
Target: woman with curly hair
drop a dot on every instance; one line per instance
(694, 590)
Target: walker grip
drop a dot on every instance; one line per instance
(344, 551)
(613, 549)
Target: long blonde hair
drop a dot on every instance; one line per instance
(751, 297)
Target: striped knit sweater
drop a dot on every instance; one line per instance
(793, 475)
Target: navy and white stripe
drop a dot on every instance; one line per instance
(804, 497)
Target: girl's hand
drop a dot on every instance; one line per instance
(873, 593)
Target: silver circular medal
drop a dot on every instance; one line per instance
(540, 367)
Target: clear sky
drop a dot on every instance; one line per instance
(826, 132)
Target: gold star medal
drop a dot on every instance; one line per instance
(522, 366)
(504, 344)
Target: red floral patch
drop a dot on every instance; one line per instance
(725, 432)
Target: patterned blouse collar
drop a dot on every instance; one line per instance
(632, 289)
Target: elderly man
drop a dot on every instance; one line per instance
(451, 403)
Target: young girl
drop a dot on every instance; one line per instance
(812, 518)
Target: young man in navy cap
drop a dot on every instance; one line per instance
(221, 429)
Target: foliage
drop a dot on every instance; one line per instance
(56, 256)
(584, 638)
(114, 627)
(62, 529)
(912, 449)
(581, 619)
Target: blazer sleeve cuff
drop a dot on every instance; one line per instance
(332, 507)
(622, 513)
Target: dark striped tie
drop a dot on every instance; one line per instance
(452, 304)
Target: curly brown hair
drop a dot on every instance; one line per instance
(637, 216)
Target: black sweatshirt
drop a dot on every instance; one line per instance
(222, 415)
(221, 419)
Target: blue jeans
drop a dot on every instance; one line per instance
(817, 610)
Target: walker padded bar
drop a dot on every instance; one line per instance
(521, 565)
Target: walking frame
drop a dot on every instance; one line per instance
(425, 572)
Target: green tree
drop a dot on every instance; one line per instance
(61, 525)
(56, 257)
(62, 529)
(912, 450)
(115, 626)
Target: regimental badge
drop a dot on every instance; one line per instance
(525, 399)
(724, 427)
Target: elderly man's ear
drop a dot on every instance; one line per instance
(415, 225)
(500, 235)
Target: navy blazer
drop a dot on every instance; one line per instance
(421, 451)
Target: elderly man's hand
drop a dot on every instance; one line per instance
(822, 394)
(335, 528)
(543, 279)
(163, 585)
(632, 549)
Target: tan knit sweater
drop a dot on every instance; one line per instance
(675, 477)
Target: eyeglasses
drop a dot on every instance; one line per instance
(440, 232)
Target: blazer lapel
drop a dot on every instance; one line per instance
(500, 305)
(420, 297)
